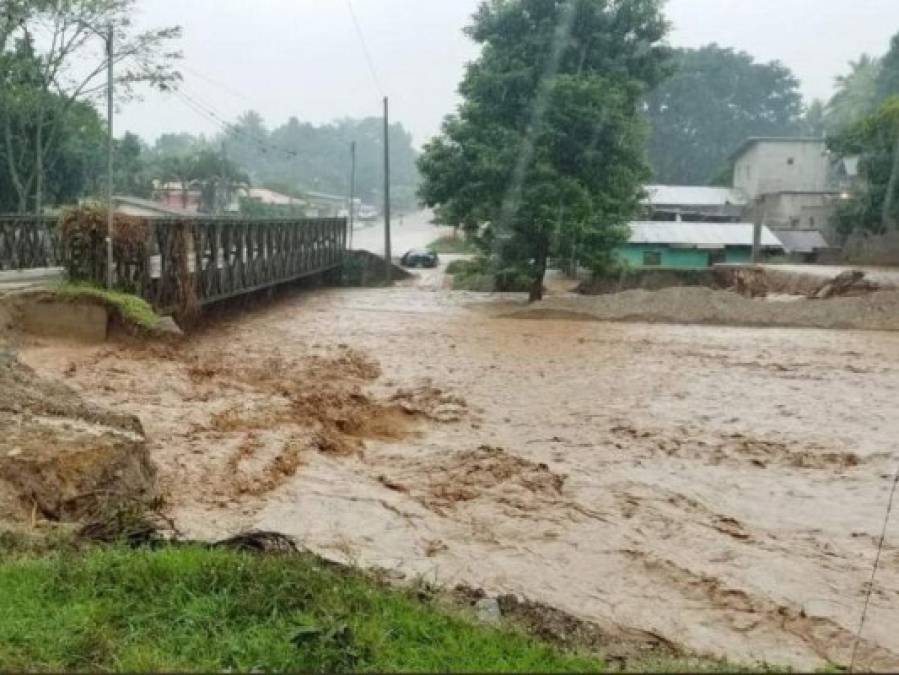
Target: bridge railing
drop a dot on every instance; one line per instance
(29, 242)
(203, 260)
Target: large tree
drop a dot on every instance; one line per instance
(55, 57)
(874, 203)
(547, 145)
(715, 100)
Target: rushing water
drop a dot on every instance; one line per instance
(722, 488)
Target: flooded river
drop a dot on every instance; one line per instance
(720, 490)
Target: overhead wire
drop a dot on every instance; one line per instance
(368, 59)
(870, 590)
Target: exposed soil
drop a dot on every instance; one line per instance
(61, 459)
(701, 489)
(698, 305)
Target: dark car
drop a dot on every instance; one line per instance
(419, 257)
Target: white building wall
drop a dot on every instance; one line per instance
(782, 166)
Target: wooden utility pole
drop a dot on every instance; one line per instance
(352, 190)
(387, 253)
(110, 207)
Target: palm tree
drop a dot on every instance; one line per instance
(856, 95)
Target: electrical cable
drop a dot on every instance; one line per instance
(883, 536)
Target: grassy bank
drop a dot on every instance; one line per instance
(192, 609)
(132, 309)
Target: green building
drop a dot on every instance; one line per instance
(681, 245)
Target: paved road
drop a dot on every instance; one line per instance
(16, 280)
(411, 231)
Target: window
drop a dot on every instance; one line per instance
(652, 258)
(811, 221)
(791, 161)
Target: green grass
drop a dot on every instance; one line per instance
(453, 245)
(196, 609)
(132, 309)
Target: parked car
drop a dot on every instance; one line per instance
(419, 257)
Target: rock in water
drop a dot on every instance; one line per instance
(488, 610)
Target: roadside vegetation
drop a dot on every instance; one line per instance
(485, 275)
(133, 311)
(191, 608)
(453, 244)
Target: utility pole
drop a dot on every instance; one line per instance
(352, 190)
(110, 207)
(757, 225)
(387, 252)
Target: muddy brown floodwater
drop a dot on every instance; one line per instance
(720, 490)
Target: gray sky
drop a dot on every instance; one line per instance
(303, 57)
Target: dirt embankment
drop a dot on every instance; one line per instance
(61, 459)
(695, 305)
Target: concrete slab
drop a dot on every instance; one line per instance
(76, 321)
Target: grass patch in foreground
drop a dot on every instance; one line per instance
(453, 245)
(197, 609)
(132, 309)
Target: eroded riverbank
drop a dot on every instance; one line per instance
(717, 489)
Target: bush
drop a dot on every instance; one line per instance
(84, 241)
(454, 245)
(482, 276)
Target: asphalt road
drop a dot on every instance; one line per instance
(413, 230)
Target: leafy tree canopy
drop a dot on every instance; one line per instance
(715, 100)
(874, 203)
(546, 149)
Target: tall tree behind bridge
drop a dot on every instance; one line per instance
(547, 146)
(55, 55)
(715, 100)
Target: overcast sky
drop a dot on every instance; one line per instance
(304, 58)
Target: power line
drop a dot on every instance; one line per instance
(368, 59)
(221, 85)
(209, 113)
(883, 536)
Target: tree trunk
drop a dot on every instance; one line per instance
(39, 164)
(21, 190)
(539, 272)
(887, 219)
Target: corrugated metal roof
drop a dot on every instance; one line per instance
(699, 234)
(694, 195)
(802, 241)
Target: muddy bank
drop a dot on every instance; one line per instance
(694, 305)
(62, 459)
(705, 489)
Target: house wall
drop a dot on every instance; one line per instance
(779, 166)
(799, 211)
(682, 258)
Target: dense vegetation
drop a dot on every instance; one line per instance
(53, 138)
(715, 100)
(863, 121)
(545, 155)
(195, 609)
(297, 157)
